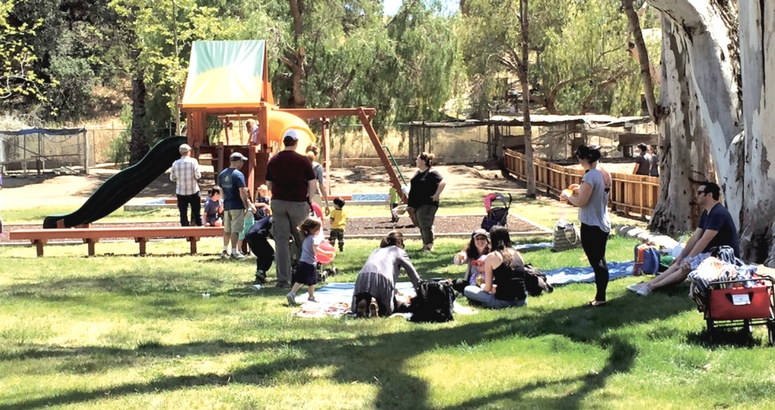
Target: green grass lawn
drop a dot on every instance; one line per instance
(123, 332)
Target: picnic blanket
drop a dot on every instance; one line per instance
(334, 299)
(564, 276)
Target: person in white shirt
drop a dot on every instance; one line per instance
(186, 174)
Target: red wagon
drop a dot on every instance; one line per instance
(728, 304)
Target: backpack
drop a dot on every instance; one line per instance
(433, 302)
(535, 281)
(646, 260)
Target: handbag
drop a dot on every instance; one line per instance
(565, 237)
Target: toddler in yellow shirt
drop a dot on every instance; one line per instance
(338, 222)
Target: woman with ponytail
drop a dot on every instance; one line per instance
(592, 200)
(426, 187)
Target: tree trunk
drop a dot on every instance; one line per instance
(524, 78)
(710, 34)
(643, 59)
(684, 152)
(138, 145)
(757, 51)
(295, 59)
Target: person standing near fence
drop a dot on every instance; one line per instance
(592, 201)
(643, 161)
(426, 188)
(185, 173)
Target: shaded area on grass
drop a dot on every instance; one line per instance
(380, 359)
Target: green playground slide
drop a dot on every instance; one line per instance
(120, 188)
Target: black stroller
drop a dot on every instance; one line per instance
(496, 215)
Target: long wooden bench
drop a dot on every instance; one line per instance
(90, 236)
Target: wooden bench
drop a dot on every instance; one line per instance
(90, 236)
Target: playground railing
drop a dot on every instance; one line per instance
(630, 194)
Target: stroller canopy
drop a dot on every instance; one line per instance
(495, 196)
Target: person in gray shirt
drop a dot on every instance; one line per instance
(377, 279)
(592, 200)
(643, 162)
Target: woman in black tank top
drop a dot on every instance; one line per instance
(504, 275)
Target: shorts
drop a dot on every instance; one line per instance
(697, 260)
(306, 274)
(233, 220)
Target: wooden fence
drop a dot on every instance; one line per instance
(630, 194)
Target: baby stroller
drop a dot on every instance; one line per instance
(497, 215)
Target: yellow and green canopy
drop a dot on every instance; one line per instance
(225, 73)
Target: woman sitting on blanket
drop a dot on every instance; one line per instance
(478, 247)
(378, 278)
(504, 275)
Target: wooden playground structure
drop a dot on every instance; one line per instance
(272, 120)
(227, 79)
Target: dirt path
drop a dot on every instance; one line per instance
(70, 190)
(20, 192)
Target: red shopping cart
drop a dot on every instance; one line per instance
(728, 304)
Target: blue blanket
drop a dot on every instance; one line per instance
(334, 292)
(563, 276)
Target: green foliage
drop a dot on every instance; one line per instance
(578, 56)
(17, 57)
(118, 150)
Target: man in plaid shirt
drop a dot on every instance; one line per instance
(185, 172)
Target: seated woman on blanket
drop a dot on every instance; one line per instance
(378, 278)
(478, 247)
(504, 275)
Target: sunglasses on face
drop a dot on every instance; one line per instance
(477, 263)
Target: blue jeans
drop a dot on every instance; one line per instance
(489, 301)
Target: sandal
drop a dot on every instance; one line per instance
(597, 303)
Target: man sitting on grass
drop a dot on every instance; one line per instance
(716, 228)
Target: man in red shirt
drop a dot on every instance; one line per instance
(291, 179)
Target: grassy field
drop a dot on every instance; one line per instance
(124, 332)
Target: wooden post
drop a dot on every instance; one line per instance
(142, 242)
(90, 243)
(39, 246)
(325, 141)
(192, 240)
(366, 121)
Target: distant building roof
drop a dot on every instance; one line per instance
(598, 120)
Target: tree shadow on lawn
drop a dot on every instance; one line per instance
(381, 358)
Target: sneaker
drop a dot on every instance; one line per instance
(361, 310)
(634, 288)
(373, 309)
(237, 256)
(644, 290)
(260, 277)
(427, 248)
(291, 298)
(224, 255)
(311, 299)
(282, 285)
